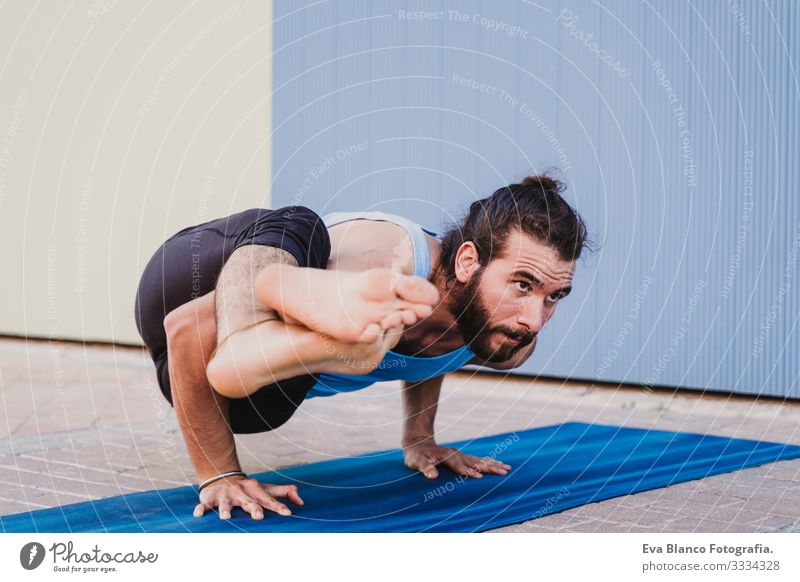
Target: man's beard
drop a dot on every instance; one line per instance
(472, 318)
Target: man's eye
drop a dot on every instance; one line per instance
(527, 285)
(554, 297)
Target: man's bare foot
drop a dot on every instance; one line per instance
(351, 306)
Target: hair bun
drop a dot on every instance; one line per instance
(544, 182)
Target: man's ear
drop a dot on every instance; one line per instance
(466, 261)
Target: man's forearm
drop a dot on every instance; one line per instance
(201, 412)
(420, 402)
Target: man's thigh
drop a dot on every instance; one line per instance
(262, 411)
(189, 264)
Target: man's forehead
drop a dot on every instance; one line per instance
(524, 252)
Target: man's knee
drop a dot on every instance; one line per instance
(196, 317)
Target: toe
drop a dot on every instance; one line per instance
(416, 290)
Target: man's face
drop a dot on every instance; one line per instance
(500, 308)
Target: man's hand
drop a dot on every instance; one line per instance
(424, 457)
(248, 494)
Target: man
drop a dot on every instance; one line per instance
(248, 315)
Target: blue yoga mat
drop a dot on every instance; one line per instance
(554, 468)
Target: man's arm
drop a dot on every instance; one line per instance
(202, 411)
(202, 414)
(420, 451)
(420, 401)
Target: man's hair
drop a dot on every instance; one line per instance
(534, 206)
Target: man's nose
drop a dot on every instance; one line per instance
(531, 315)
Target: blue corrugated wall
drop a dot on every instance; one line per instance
(675, 126)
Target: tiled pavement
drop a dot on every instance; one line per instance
(84, 422)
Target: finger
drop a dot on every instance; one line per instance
(276, 506)
(254, 509)
(505, 466)
(441, 454)
(471, 459)
(288, 491)
(494, 468)
(430, 472)
(224, 509)
(248, 504)
(426, 466)
(269, 502)
(487, 465)
(200, 509)
(462, 468)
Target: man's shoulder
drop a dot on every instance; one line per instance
(361, 244)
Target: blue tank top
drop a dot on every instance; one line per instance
(393, 366)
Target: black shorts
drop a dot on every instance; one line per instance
(188, 265)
